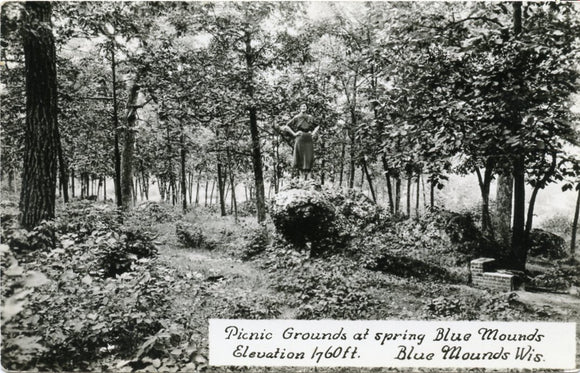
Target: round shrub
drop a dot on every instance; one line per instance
(546, 244)
(189, 235)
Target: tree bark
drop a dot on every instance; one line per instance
(221, 188)
(369, 180)
(129, 147)
(409, 181)
(418, 195)
(116, 149)
(519, 246)
(37, 196)
(254, 133)
(182, 154)
(397, 194)
(575, 224)
(503, 209)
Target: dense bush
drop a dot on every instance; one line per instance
(547, 245)
(189, 235)
(68, 295)
(117, 253)
(157, 212)
(257, 241)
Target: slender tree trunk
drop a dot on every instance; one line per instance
(197, 187)
(409, 181)
(352, 163)
(342, 155)
(206, 190)
(37, 195)
(63, 168)
(116, 150)
(397, 194)
(575, 224)
(418, 195)
(234, 201)
(369, 180)
(221, 188)
(432, 195)
(183, 171)
(72, 182)
(254, 133)
(389, 186)
(104, 188)
(211, 195)
(11, 181)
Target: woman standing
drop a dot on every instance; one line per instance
(303, 147)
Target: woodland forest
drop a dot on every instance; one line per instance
(146, 170)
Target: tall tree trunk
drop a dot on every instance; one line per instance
(418, 195)
(11, 180)
(37, 195)
(212, 189)
(257, 162)
(342, 155)
(254, 133)
(182, 152)
(221, 188)
(519, 246)
(369, 180)
(129, 146)
(397, 194)
(575, 224)
(206, 189)
(432, 194)
(116, 149)
(409, 181)
(104, 188)
(503, 209)
(484, 186)
(72, 182)
(389, 185)
(234, 201)
(63, 168)
(351, 169)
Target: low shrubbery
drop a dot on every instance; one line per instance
(189, 235)
(547, 245)
(77, 289)
(257, 242)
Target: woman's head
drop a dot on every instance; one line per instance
(303, 108)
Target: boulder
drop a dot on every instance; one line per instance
(306, 216)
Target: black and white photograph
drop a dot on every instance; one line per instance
(284, 186)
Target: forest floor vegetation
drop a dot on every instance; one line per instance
(96, 290)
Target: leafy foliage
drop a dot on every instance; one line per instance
(189, 235)
(547, 245)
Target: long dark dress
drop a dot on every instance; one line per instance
(303, 147)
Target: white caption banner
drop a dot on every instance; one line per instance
(375, 343)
